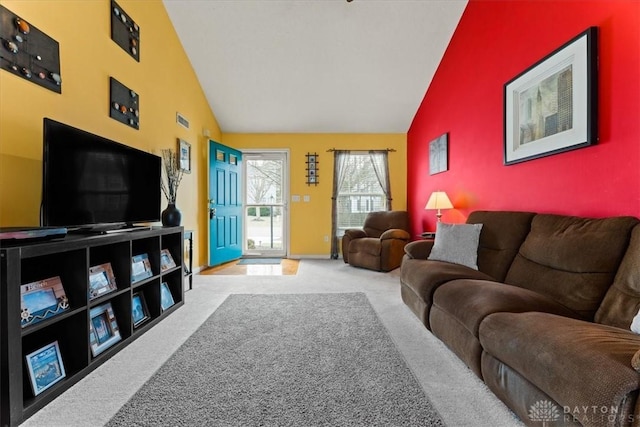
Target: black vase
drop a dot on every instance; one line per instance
(171, 216)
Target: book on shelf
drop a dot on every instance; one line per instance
(45, 367)
(101, 280)
(103, 328)
(41, 300)
(140, 268)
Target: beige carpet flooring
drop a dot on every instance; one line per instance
(458, 395)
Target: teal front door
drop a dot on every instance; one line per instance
(225, 204)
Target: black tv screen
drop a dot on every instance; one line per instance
(90, 180)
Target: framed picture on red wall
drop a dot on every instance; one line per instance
(552, 106)
(439, 154)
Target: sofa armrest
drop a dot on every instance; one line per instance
(420, 249)
(354, 233)
(395, 233)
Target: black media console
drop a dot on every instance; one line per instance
(70, 259)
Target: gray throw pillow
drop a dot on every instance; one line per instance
(457, 243)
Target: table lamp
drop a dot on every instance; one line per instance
(439, 200)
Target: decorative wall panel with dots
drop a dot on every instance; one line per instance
(124, 31)
(28, 52)
(124, 104)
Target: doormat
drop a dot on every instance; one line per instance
(251, 261)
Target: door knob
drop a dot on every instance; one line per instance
(212, 213)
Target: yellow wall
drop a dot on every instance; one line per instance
(163, 78)
(310, 222)
(166, 84)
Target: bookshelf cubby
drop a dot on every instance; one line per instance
(70, 258)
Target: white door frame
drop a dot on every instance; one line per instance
(285, 191)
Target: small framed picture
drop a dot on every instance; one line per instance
(166, 299)
(184, 150)
(41, 300)
(166, 260)
(101, 280)
(45, 367)
(186, 257)
(140, 268)
(139, 312)
(439, 154)
(104, 331)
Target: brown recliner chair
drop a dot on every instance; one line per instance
(380, 244)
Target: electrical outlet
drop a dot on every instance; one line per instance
(326, 238)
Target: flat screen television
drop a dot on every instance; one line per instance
(91, 182)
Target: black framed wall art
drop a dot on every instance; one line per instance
(552, 107)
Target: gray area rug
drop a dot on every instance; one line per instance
(284, 360)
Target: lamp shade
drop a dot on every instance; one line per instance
(439, 200)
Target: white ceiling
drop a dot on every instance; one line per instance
(315, 66)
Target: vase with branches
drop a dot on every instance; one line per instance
(171, 177)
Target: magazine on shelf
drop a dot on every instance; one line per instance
(101, 280)
(45, 367)
(166, 299)
(139, 312)
(140, 268)
(41, 300)
(104, 331)
(166, 260)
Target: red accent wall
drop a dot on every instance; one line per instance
(495, 41)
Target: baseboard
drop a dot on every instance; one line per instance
(307, 256)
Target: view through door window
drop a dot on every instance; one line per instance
(360, 192)
(264, 207)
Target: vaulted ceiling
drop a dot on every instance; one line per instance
(315, 66)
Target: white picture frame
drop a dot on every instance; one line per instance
(45, 367)
(103, 329)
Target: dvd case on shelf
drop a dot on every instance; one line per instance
(41, 300)
(101, 280)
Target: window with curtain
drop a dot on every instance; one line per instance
(360, 185)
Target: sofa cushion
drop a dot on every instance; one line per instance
(419, 279)
(527, 401)
(457, 244)
(622, 301)
(502, 234)
(377, 223)
(570, 259)
(577, 363)
(366, 245)
(635, 361)
(460, 306)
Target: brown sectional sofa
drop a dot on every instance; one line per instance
(545, 320)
